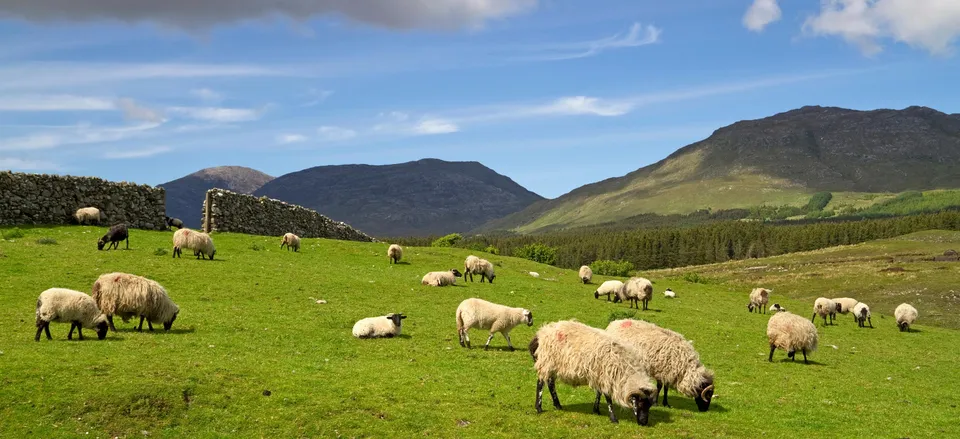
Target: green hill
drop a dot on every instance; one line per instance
(253, 355)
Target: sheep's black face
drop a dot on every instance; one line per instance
(456, 273)
(102, 242)
(641, 408)
(839, 307)
(703, 398)
(529, 316)
(396, 318)
(596, 294)
(492, 277)
(616, 299)
(212, 253)
(168, 325)
(750, 307)
(102, 330)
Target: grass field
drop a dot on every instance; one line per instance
(249, 324)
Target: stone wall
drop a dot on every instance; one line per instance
(52, 199)
(241, 213)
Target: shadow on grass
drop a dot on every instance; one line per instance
(401, 263)
(160, 330)
(800, 362)
(658, 415)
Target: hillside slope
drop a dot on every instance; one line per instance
(777, 160)
(185, 194)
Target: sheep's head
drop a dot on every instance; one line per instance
(492, 276)
(839, 307)
(212, 253)
(596, 294)
(396, 318)
(168, 325)
(455, 272)
(705, 394)
(529, 316)
(750, 307)
(102, 242)
(102, 329)
(642, 396)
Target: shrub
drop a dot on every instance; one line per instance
(695, 278)
(612, 268)
(47, 241)
(492, 250)
(538, 253)
(160, 252)
(818, 201)
(256, 247)
(621, 314)
(447, 241)
(12, 233)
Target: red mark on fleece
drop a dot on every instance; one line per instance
(561, 336)
(116, 279)
(626, 324)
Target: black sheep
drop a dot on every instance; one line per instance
(116, 234)
(173, 222)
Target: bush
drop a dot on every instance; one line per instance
(538, 253)
(621, 314)
(12, 233)
(256, 247)
(612, 268)
(818, 201)
(492, 250)
(447, 241)
(160, 252)
(695, 278)
(47, 241)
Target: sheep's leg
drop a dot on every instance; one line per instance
(128, 243)
(665, 388)
(509, 343)
(870, 321)
(657, 396)
(552, 385)
(460, 336)
(772, 348)
(79, 331)
(466, 336)
(46, 329)
(538, 405)
(140, 328)
(596, 405)
(813, 318)
(805, 356)
(70, 334)
(110, 321)
(40, 327)
(613, 414)
(487, 346)
(149, 325)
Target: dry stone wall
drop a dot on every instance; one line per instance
(241, 213)
(53, 199)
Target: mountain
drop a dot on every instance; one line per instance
(408, 199)
(778, 160)
(185, 195)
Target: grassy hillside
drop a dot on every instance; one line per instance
(249, 324)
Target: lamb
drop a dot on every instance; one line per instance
(668, 293)
(846, 305)
(88, 214)
(824, 307)
(636, 290)
(481, 314)
(474, 265)
(395, 252)
(791, 332)
(586, 274)
(387, 326)
(777, 308)
(759, 298)
(64, 305)
(441, 278)
(199, 242)
(291, 241)
(862, 313)
(607, 288)
(578, 354)
(116, 234)
(128, 295)
(173, 222)
(669, 358)
(905, 314)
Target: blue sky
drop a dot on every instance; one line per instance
(552, 93)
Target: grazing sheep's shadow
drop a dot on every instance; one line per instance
(178, 331)
(496, 348)
(800, 362)
(658, 415)
(402, 263)
(688, 405)
(913, 330)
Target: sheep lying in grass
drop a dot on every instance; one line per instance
(291, 241)
(759, 297)
(777, 308)
(85, 215)
(395, 252)
(128, 295)
(669, 358)
(173, 222)
(905, 314)
(474, 265)
(387, 326)
(441, 278)
(637, 290)
(824, 307)
(578, 354)
(846, 305)
(63, 305)
(116, 234)
(480, 314)
(199, 242)
(862, 313)
(791, 333)
(586, 274)
(607, 288)
(668, 293)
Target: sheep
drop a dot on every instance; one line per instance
(636, 290)
(824, 307)
(172, 222)
(791, 332)
(777, 308)
(578, 354)
(199, 242)
(906, 314)
(441, 278)
(128, 295)
(669, 358)
(474, 265)
(395, 252)
(846, 305)
(291, 241)
(759, 297)
(607, 288)
(116, 234)
(668, 293)
(64, 305)
(481, 314)
(862, 313)
(586, 274)
(88, 214)
(387, 326)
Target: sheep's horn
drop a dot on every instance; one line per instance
(704, 392)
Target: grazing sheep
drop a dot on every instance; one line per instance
(395, 252)
(824, 307)
(906, 314)
(441, 278)
(791, 332)
(116, 234)
(607, 288)
(637, 290)
(474, 265)
(578, 354)
(199, 242)
(846, 305)
(668, 293)
(586, 274)
(63, 305)
(128, 295)
(759, 297)
(172, 222)
(383, 326)
(670, 359)
(88, 214)
(777, 308)
(291, 241)
(480, 314)
(862, 313)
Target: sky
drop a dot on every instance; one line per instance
(551, 93)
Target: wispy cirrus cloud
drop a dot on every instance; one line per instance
(638, 35)
(134, 111)
(40, 103)
(334, 133)
(430, 126)
(18, 164)
(315, 97)
(286, 139)
(218, 114)
(136, 153)
(206, 95)
(75, 135)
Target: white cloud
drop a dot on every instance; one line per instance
(206, 95)
(218, 114)
(133, 111)
(638, 35)
(332, 133)
(136, 153)
(75, 135)
(932, 25)
(17, 164)
(430, 126)
(576, 105)
(760, 14)
(55, 103)
(316, 97)
(285, 139)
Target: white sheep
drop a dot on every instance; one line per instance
(88, 214)
(441, 278)
(905, 314)
(759, 297)
(668, 293)
(824, 307)
(777, 308)
(128, 295)
(791, 333)
(394, 252)
(578, 354)
(63, 305)
(199, 242)
(607, 288)
(474, 265)
(481, 314)
(387, 326)
(669, 358)
(586, 274)
(637, 290)
(291, 241)
(846, 305)
(862, 313)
